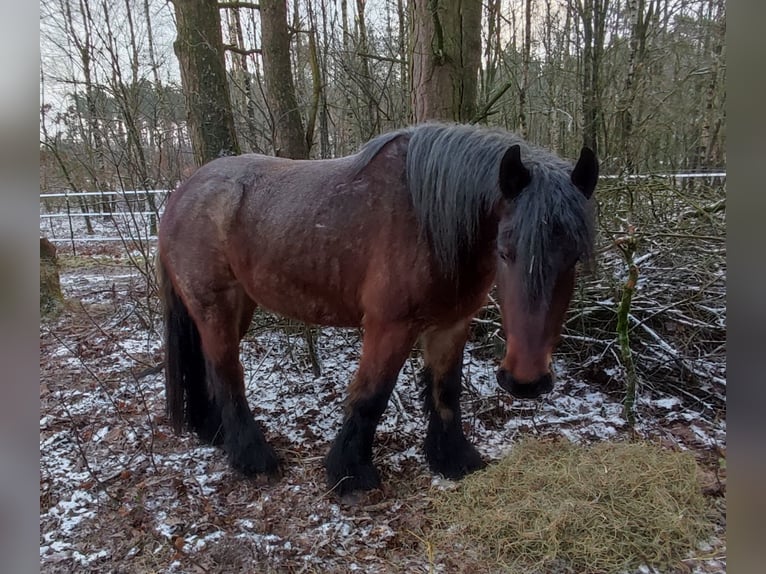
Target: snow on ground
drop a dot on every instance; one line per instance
(120, 492)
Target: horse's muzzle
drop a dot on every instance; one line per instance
(519, 390)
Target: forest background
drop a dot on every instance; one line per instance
(640, 81)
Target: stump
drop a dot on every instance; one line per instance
(51, 299)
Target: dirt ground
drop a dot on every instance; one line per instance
(119, 492)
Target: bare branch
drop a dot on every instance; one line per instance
(250, 5)
(241, 51)
(382, 58)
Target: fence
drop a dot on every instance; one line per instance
(134, 214)
(101, 217)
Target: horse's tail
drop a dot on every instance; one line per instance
(185, 376)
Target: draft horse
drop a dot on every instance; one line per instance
(404, 238)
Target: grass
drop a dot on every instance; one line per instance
(553, 506)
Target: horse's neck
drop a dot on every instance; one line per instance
(481, 259)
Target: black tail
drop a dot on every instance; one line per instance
(186, 394)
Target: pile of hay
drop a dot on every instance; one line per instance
(556, 506)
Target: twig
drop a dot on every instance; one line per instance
(665, 346)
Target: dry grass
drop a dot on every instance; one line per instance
(553, 506)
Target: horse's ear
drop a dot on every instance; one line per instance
(585, 172)
(513, 175)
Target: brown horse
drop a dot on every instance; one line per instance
(404, 238)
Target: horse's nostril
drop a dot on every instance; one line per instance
(519, 390)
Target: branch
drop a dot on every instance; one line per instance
(484, 112)
(251, 5)
(242, 51)
(382, 58)
(293, 30)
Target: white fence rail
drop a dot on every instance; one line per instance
(126, 224)
(119, 194)
(120, 216)
(714, 174)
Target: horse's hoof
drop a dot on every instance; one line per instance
(457, 463)
(354, 479)
(260, 461)
(250, 454)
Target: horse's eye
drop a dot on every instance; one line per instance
(506, 254)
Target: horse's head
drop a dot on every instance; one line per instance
(545, 228)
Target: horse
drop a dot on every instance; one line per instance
(405, 239)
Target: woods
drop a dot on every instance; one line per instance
(640, 81)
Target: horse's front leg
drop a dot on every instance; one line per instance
(349, 463)
(447, 450)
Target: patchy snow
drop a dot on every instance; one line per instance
(108, 459)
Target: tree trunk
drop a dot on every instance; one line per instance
(639, 18)
(96, 164)
(492, 50)
(712, 118)
(246, 105)
(403, 56)
(324, 111)
(51, 298)
(593, 16)
(289, 138)
(446, 51)
(369, 119)
(525, 63)
(199, 49)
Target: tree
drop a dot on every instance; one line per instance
(525, 63)
(51, 298)
(199, 49)
(639, 15)
(289, 138)
(243, 93)
(593, 16)
(446, 51)
(710, 149)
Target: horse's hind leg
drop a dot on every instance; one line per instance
(447, 450)
(349, 463)
(221, 324)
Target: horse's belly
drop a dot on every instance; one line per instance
(329, 309)
(318, 313)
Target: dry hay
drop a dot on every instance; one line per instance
(554, 506)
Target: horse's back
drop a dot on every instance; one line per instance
(304, 238)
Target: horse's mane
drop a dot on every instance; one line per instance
(453, 174)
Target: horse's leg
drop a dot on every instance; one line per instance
(349, 463)
(447, 450)
(222, 324)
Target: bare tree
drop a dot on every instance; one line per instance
(713, 118)
(199, 48)
(289, 138)
(243, 96)
(446, 50)
(526, 58)
(640, 14)
(370, 120)
(593, 15)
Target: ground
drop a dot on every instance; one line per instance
(119, 492)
